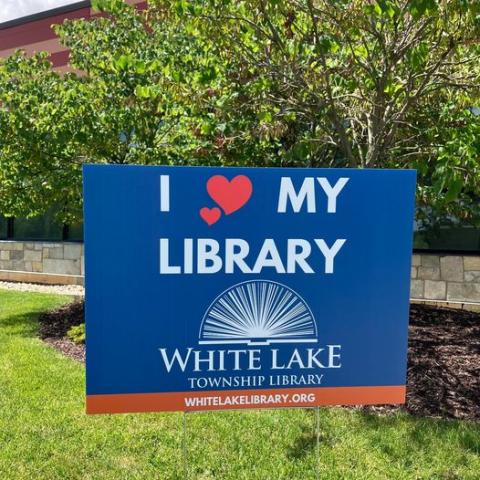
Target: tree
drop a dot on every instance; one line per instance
(349, 83)
(39, 134)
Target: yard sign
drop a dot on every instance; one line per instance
(228, 288)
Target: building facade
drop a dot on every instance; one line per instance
(445, 265)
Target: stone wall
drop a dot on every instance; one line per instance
(42, 262)
(454, 278)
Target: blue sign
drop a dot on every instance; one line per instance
(216, 288)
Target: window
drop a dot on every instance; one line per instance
(44, 227)
(448, 238)
(3, 228)
(75, 232)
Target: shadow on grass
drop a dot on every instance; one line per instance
(471, 442)
(307, 440)
(417, 434)
(420, 431)
(23, 325)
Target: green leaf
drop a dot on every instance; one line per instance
(328, 44)
(418, 56)
(265, 117)
(143, 91)
(181, 6)
(453, 190)
(110, 6)
(386, 7)
(391, 88)
(208, 74)
(122, 62)
(361, 51)
(420, 8)
(140, 67)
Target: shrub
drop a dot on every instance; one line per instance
(77, 333)
(56, 323)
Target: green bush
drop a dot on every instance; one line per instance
(77, 333)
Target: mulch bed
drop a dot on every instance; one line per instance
(443, 358)
(55, 324)
(443, 376)
(67, 347)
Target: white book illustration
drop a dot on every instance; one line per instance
(258, 312)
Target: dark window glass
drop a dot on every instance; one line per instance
(3, 227)
(75, 232)
(43, 227)
(448, 238)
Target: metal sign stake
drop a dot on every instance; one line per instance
(184, 447)
(317, 418)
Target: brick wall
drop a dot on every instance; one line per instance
(453, 278)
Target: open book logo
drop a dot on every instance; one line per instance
(258, 312)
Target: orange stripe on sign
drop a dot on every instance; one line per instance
(240, 399)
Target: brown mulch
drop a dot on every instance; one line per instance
(67, 347)
(55, 324)
(443, 359)
(443, 376)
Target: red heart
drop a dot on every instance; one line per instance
(232, 195)
(210, 215)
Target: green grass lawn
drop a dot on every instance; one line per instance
(45, 434)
